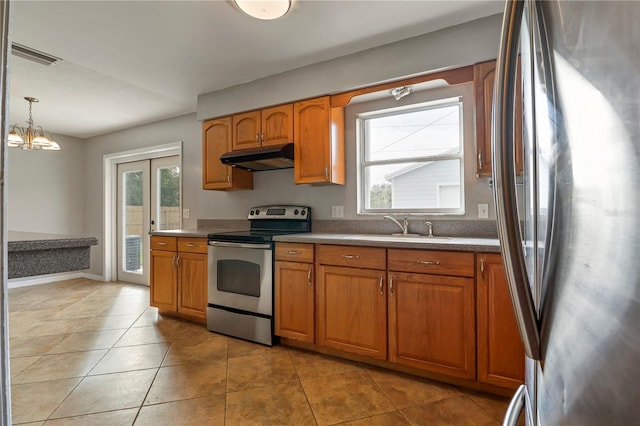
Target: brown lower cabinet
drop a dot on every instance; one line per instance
(447, 313)
(432, 323)
(352, 310)
(500, 349)
(179, 275)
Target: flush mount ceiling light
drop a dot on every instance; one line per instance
(30, 137)
(400, 92)
(264, 9)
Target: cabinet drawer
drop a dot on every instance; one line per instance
(294, 252)
(192, 245)
(163, 243)
(354, 256)
(432, 262)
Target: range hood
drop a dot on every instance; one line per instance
(259, 159)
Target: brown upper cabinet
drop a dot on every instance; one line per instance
(216, 140)
(269, 126)
(319, 142)
(484, 75)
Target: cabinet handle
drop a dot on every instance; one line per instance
(427, 262)
(326, 171)
(381, 285)
(173, 262)
(482, 267)
(350, 256)
(296, 252)
(258, 138)
(262, 138)
(178, 261)
(162, 243)
(229, 178)
(391, 286)
(309, 276)
(479, 159)
(191, 245)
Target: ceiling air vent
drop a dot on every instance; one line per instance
(33, 55)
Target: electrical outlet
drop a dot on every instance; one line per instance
(483, 211)
(186, 213)
(337, 211)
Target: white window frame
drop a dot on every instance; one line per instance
(363, 163)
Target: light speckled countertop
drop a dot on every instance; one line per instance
(370, 240)
(376, 240)
(195, 233)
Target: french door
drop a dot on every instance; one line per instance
(149, 199)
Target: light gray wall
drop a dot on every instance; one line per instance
(451, 47)
(45, 189)
(457, 46)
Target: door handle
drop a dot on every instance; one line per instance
(515, 407)
(505, 183)
(350, 256)
(427, 262)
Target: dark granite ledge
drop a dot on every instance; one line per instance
(32, 253)
(32, 241)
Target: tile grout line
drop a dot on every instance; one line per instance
(87, 374)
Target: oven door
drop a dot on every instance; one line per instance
(241, 276)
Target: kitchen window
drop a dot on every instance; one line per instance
(410, 159)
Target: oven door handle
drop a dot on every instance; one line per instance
(239, 245)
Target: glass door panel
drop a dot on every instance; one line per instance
(133, 221)
(166, 194)
(149, 199)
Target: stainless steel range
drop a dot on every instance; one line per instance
(241, 273)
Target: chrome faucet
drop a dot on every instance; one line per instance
(429, 229)
(404, 226)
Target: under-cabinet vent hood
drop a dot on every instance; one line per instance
(259, 159)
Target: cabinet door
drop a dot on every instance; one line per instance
(192, 284)
(164, 280)
(432, 323)
(216, 140)
(294, 300)
(484, 75)
(352, 310)
(246, 130)
(500, 349)
(277, 125)
(319, 142)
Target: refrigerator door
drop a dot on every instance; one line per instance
(583, 116)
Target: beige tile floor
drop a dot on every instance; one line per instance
(91, 353)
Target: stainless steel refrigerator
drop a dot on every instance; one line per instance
(570, 226)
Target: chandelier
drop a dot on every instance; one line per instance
(30, 137)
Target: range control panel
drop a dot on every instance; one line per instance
(280, 212)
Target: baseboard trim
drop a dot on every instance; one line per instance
(48, 279)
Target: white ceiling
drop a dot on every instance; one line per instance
(127, 63)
